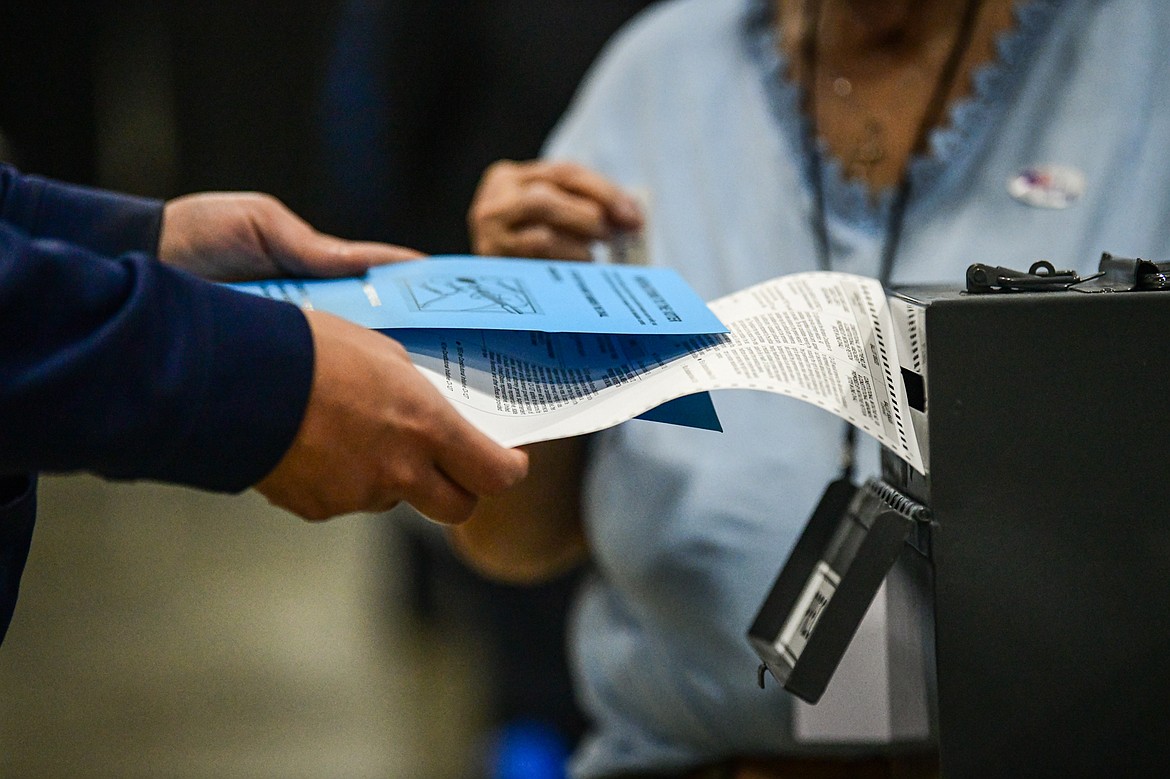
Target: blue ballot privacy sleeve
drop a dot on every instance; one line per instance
(459, 292)
(498, 293)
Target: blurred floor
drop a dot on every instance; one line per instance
(164, 632)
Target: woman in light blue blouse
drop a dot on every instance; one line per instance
(946, 132)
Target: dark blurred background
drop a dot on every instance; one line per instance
(373, 119)
(164, 98)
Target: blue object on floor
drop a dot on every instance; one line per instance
(528, 749)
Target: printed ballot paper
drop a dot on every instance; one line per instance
(531, 350)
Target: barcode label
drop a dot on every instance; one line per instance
(804, 617)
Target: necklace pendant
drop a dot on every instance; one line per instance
(842, 87)
(869, 152)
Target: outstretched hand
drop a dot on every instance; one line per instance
(242, 236)
(375, 432)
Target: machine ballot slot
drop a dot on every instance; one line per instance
(915, 389)
(831, 577)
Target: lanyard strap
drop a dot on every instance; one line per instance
(811, 20)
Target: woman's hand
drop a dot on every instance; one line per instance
(241, 236)
(550, 210)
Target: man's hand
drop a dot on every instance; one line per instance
(376, 432)
(551, 210)
(241, 236)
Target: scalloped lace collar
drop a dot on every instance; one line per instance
(970, 119)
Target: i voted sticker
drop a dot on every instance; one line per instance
(1047, 186)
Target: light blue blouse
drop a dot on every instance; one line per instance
(689, 105)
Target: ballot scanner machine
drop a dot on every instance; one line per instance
(1026, 579)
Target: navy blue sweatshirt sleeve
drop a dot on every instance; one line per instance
(125, 367)
(104, 222)
(113, 363)
(130, 369)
